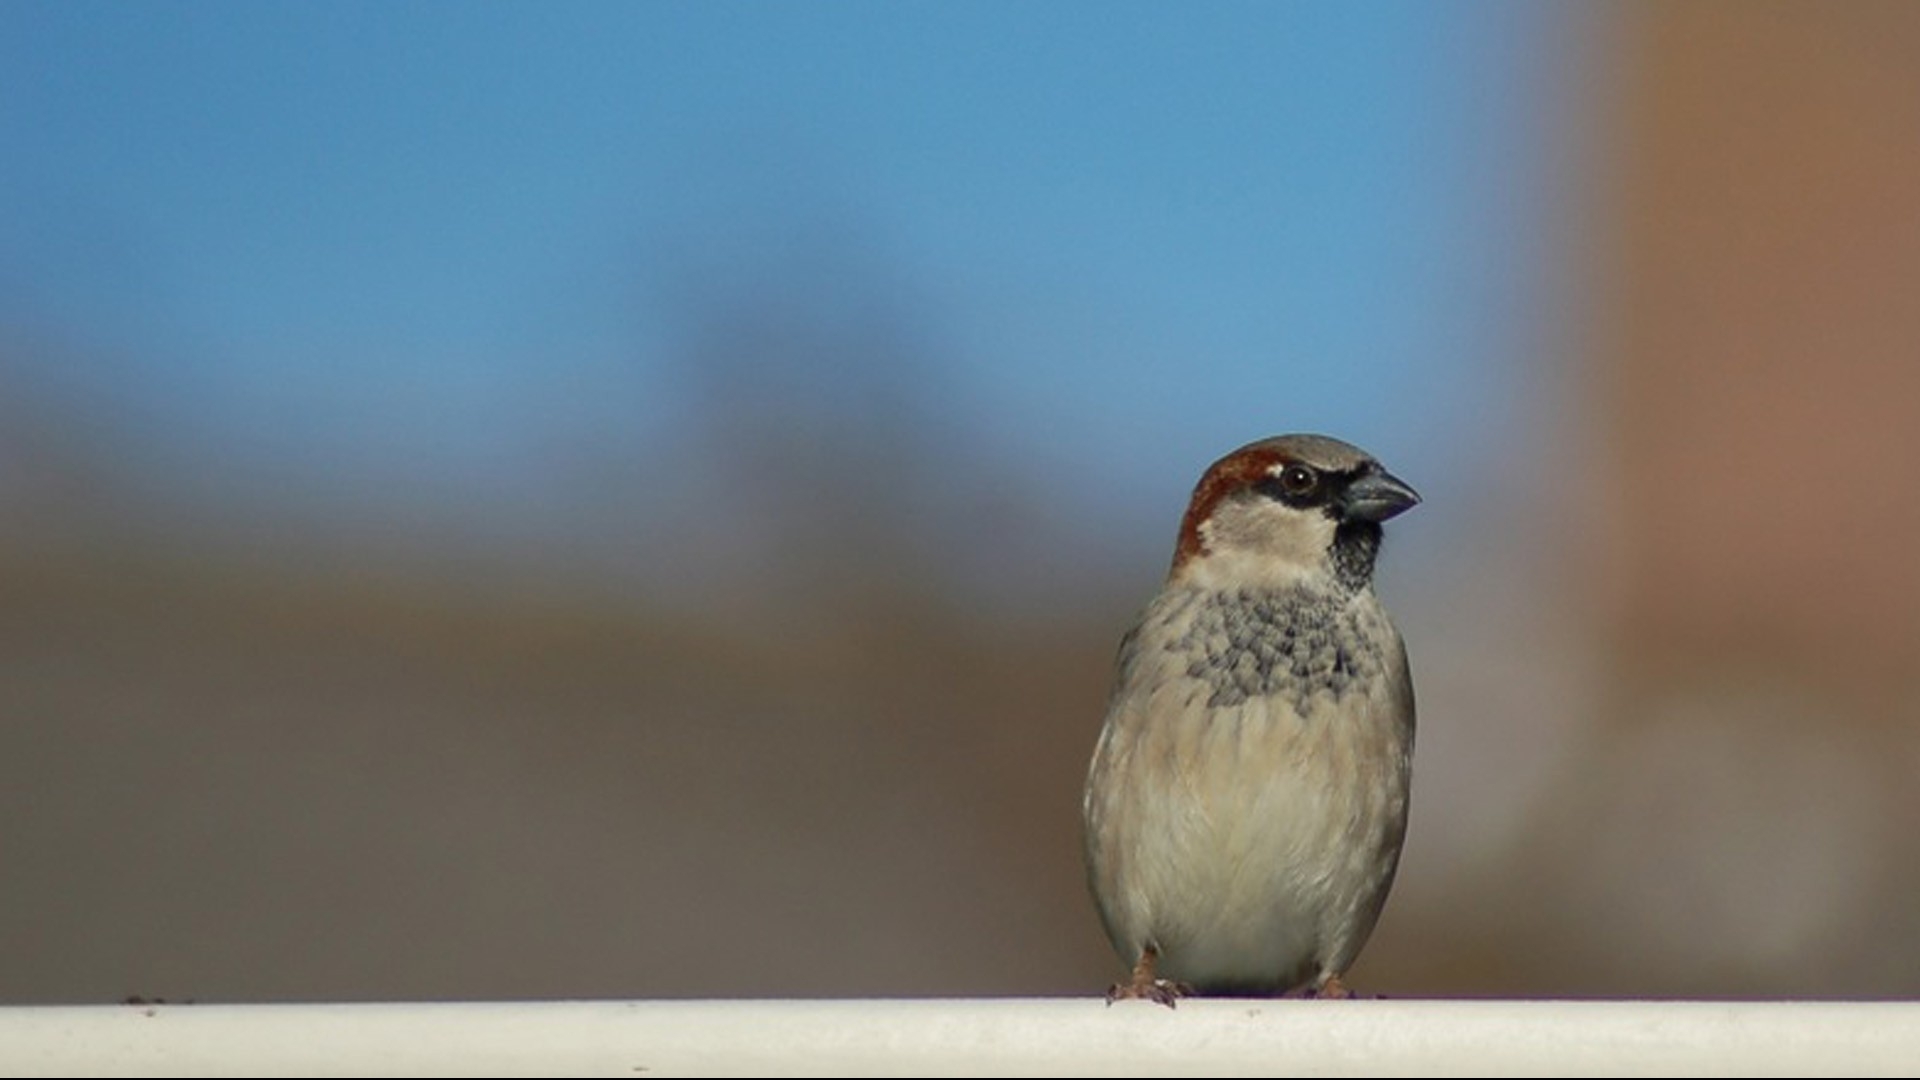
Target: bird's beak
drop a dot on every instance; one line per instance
(1376, 496)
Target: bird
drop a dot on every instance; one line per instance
(1247, 798)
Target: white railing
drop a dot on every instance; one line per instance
(1211, 1037)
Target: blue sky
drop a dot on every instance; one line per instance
(380, 249)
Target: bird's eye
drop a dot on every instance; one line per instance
(1298, 479)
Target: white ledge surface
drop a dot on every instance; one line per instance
(1054, 1036)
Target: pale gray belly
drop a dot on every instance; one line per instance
(1256, 847)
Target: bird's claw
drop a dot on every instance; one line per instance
(1166, 992)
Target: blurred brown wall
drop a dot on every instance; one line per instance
(1764, 445)
(1738, 818)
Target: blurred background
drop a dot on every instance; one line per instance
(579, 500)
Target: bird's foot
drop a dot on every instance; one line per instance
(1332, 988)
(1166, 992)
(1144, 985)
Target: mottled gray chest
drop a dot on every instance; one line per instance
(1296, 645)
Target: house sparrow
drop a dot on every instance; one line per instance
(1248, 795)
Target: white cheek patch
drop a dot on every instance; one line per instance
(1255, 542)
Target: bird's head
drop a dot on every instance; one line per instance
(1287, 511)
